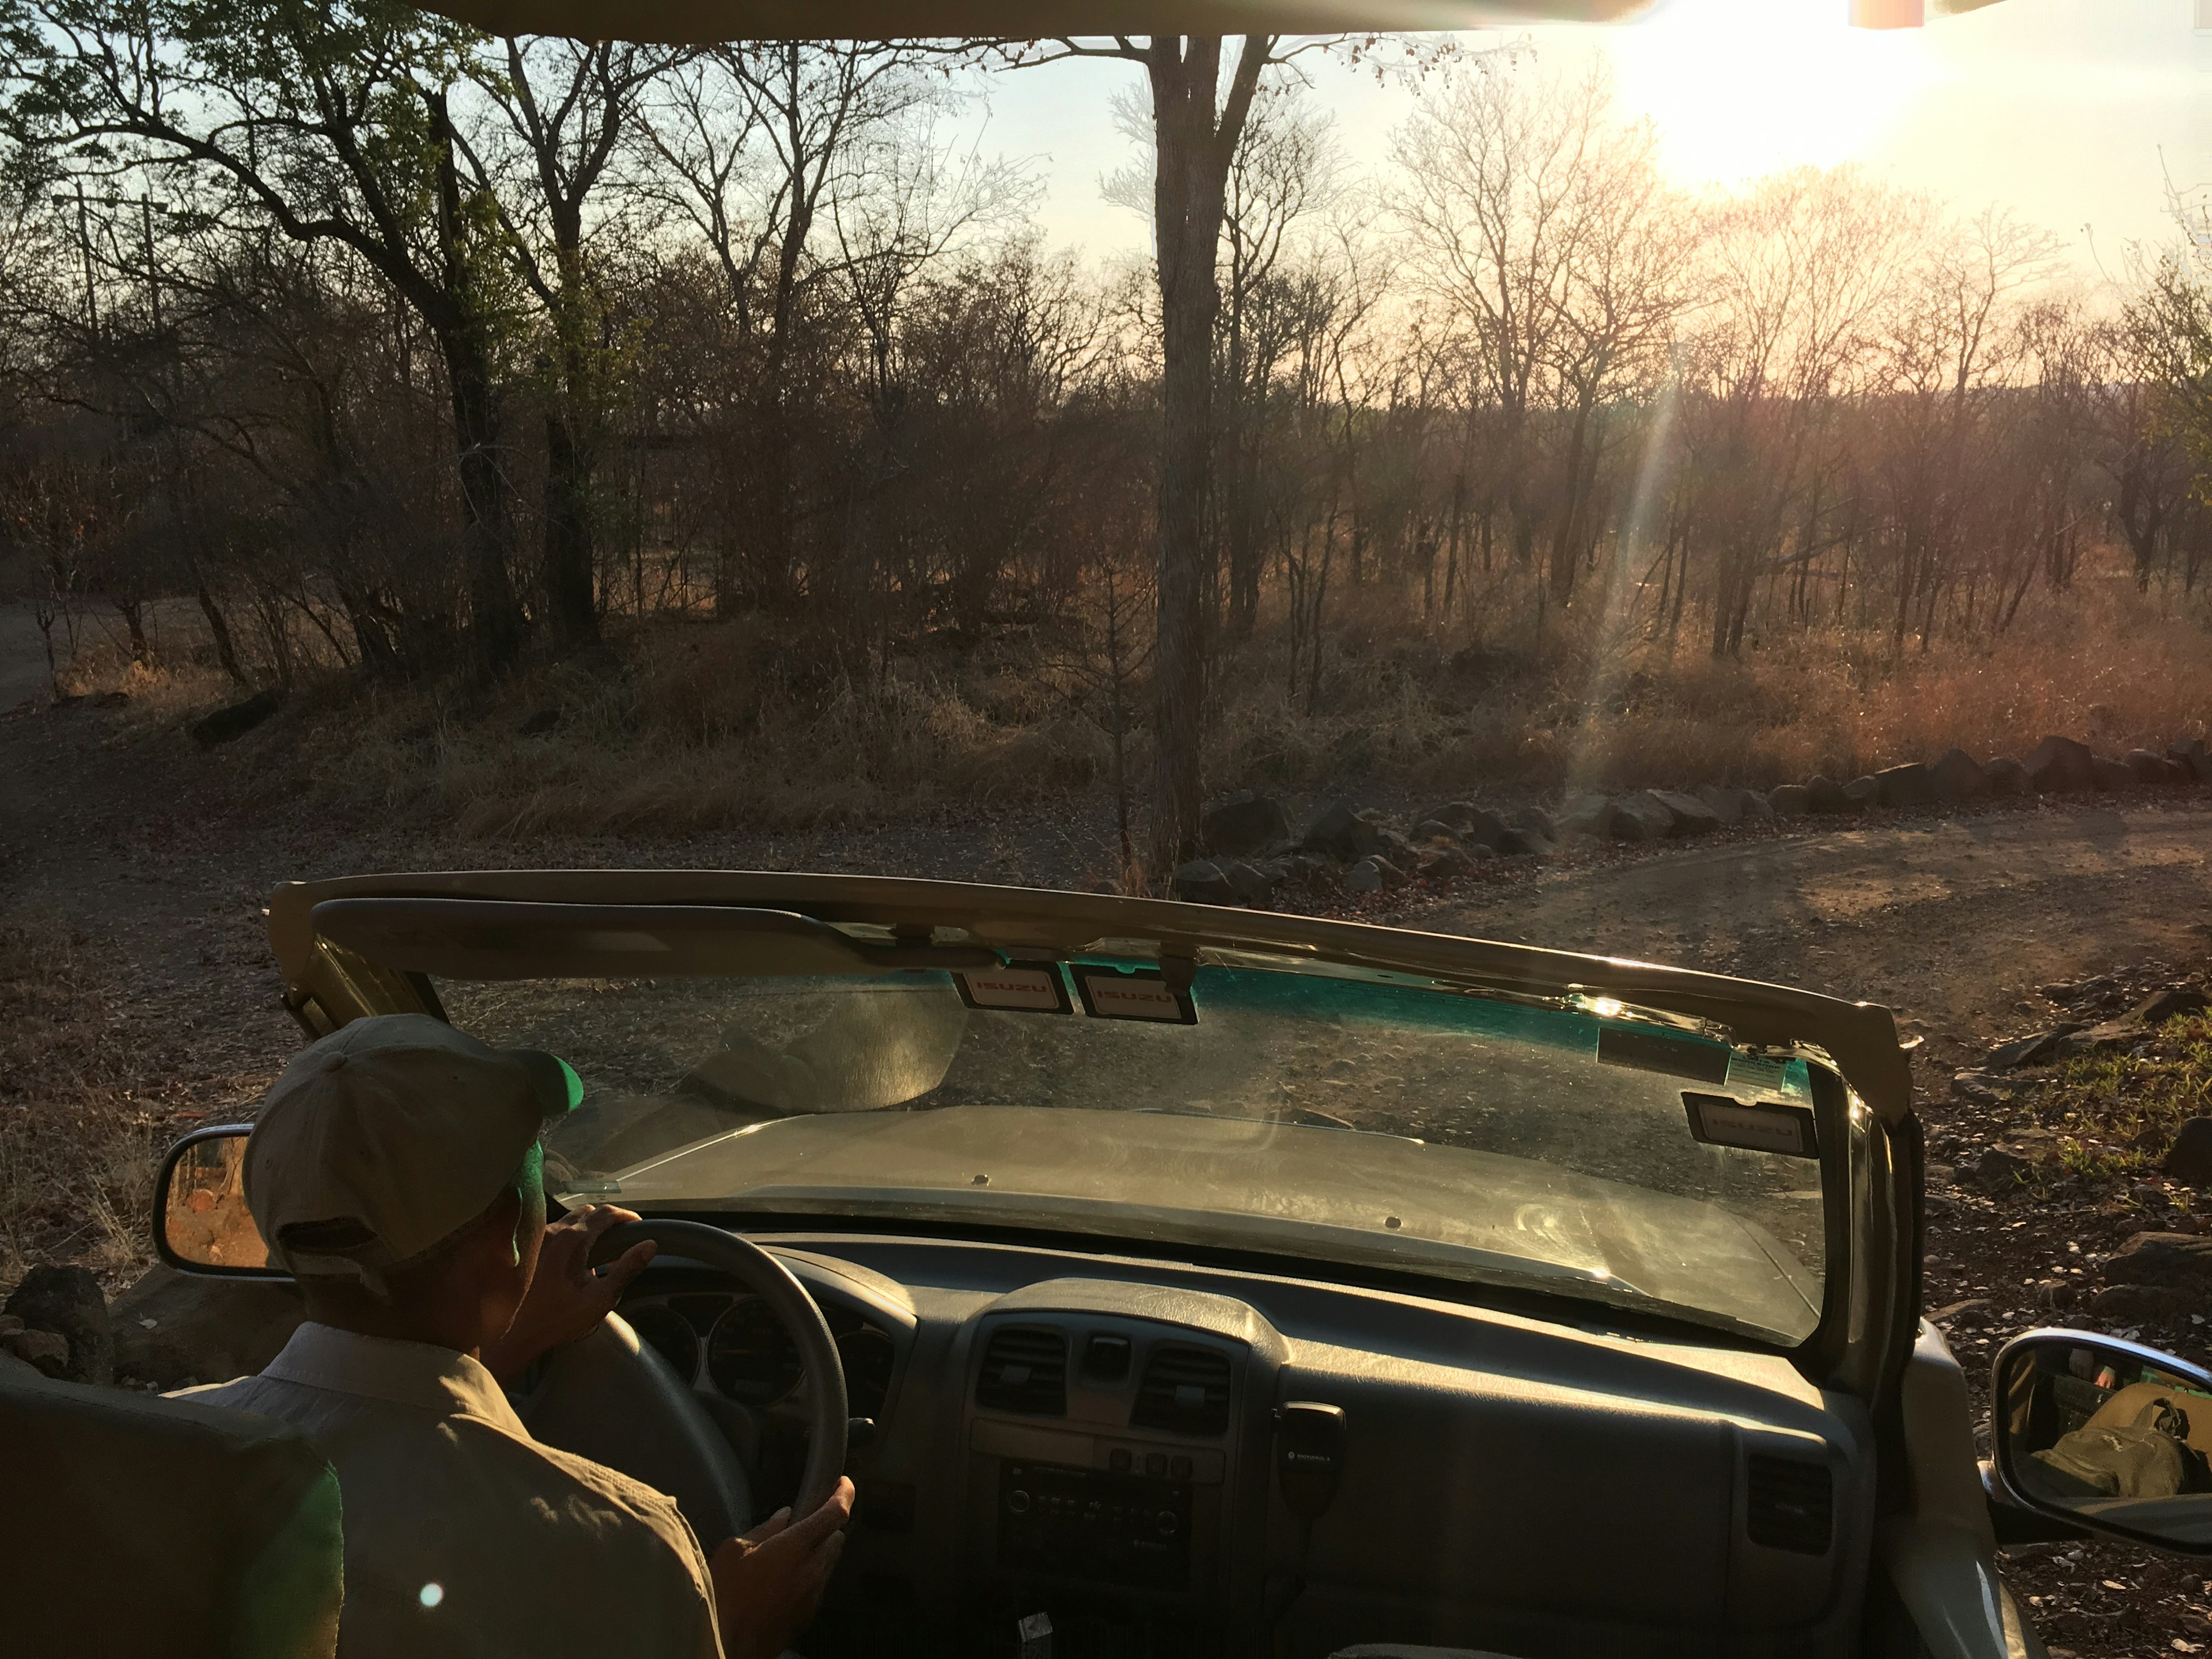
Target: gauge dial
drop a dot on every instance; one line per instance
(751, 1356)
(670, 1335)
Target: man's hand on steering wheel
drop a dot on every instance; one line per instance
(566, 1300)
(767, 1583)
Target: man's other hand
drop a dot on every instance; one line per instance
(566, 1300)
(767, 1583)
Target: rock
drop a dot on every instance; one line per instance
(1641, 818)
(1824, 794)
(1999, 1170)
(210, 1328)
(1524, 843)
(1726, 805)
(2061, 766)
(1907, 787)
(2177, 773)
(2006, 779)
(48, 1352)
(1864, 791)
(2025, 1051)
(1400, 851)
(237, 719)
(1690, 816)
(1790, 800)
(1958, 776)
(2171, 1003)
(1757, 809)
(1459, 814)
(1244, 822)
(1447, 864)
(2171, 1260)
(67, 1301)
(1342, 833)
(2148, 767)
(2132, 1304)
(539, 723)
(1536, 821)
(1203, 881)
(2194, 756)
(1434, 832)
(2190, 1157)
(1252, 885)
(1479, 854)
(1989, 1088)
(2111, 1035)
(1587, 815)
(2058, 1294)
(1483, 828)
(111, 700)
(1364, 877)
(2112, 777)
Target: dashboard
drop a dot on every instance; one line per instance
(1163, 1458)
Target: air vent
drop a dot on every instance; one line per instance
(1185, 1390)
(1024, 1370)
(1792, 1505)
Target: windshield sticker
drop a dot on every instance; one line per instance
(1019, 987)
(1142, 993)
(1767, 1127)
(1653, 1051)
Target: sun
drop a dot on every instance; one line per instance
(1741, 88)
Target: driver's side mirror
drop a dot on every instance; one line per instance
(201, 1223)
(2107, 1435)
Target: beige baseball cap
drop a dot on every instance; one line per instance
(389, 1135)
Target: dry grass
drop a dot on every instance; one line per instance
(687, 725)
(2117, 1115)
(78, 1149)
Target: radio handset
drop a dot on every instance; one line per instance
(1310, 1440)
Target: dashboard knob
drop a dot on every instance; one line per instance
(1019, 1501)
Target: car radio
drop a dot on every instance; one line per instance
(1109, 1528)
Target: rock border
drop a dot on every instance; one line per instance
(1251, 852)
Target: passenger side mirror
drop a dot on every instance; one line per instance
(2107, 1434)
(201, 1223)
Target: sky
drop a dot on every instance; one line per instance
(2073, 112)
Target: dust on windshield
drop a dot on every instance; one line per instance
(1354, 1117)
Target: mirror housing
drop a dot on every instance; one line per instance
(201, 1223)
(2106, 1435)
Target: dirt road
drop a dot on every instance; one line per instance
(1947, 921)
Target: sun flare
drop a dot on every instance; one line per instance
(1741, 88)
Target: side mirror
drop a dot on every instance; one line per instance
(201, 1223)
(2106, 1434)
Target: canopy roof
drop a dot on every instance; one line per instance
(707, 21)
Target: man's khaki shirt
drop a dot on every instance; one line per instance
(463, 1535)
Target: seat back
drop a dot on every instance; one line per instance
(139, 1525)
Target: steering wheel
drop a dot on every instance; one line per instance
(613, 1399)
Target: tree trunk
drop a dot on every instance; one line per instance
(571, 562)
(1194, 147)
(495, 617)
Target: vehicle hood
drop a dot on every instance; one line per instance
(1372, 1200)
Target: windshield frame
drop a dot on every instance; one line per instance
(330, 981)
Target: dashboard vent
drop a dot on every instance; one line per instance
(1792, 1505)
(1185, 1390)
(1024, 1370)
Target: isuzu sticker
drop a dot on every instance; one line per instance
(1026, 988)
(1765, 1126)
(1142, 993)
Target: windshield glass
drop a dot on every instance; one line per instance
(1351, 1117)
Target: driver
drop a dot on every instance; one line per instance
(394, 1170)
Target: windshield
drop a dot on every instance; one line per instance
(1363, 1119)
